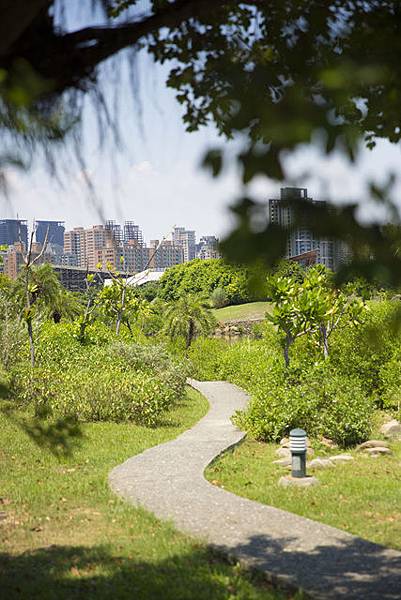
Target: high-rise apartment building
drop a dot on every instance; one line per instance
(165, 254)
(97, 244)
(208, 247)
(132, 233)
(54, 230)
(187, 240)
(74, 243)
(13, 231)
(101, 246)
(115, 232)
(301, 240)
(136, 256)
(14, 258)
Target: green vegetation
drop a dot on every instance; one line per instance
(361, 497)
(188, 317)
(204, 277)
(243, 312)
(108, 380)
(312, 306)
(335, 395)
(105, 379)
(64, 534)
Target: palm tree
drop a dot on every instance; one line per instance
(187, 317)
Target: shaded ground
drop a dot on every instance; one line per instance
(64, 535)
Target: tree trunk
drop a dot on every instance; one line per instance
(31, 342)
(287, 343)
(190, 334)
(325, 341)
(120, 312)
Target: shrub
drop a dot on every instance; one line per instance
(360, 353)
(390, 383)
(98, 381)
(110, 396)
(205, 355)
(322, 403)
(219, 298)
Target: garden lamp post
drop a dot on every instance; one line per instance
(298, 452)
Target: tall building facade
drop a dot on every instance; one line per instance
(97, 244)
(13, 231)
(53, 229)
(136, 256)
(208, 247)
(187, 240)
(329, 252)
(165, 254)
(132, 233)
(74, 243)
(14, 258)
(106, 244)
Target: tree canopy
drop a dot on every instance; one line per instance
(278, 73)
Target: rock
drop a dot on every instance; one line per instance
(377, 451)
(288, 480)
(372, 444)
(341, 458)
(282, 462)
(321, 463)
(283, 453)
(392, 429)
(328, 443)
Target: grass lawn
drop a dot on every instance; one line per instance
(64, 535)
(242, 312)
(362, 497)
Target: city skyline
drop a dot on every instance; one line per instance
(146, 239)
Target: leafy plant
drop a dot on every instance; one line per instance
(219, 297)
(188, 317)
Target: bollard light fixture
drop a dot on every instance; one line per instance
(298, 447)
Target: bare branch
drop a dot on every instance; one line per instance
(43, 250)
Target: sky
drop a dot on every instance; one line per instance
(155, 178)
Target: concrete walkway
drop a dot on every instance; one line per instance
(324, 561)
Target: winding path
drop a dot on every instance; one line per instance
(168, 480)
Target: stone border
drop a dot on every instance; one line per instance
(168, 480)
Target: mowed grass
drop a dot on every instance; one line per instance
(64, 534)
(362, 497)
(251, 311)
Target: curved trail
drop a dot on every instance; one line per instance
(168, 480)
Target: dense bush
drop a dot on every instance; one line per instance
(362, 352)
(322, 403)
(219, 297)
(202, 277)
(105, 379)
(390, 383)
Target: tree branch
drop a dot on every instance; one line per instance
(75, 55)
(16, 16)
